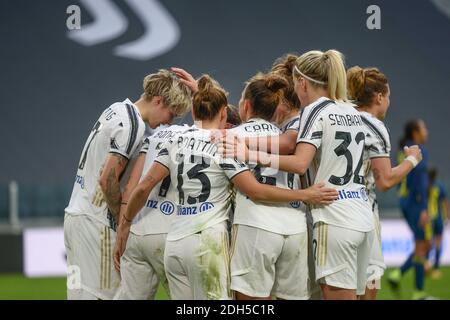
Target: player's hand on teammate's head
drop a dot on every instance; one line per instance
(319, 194)
(413, 151)
(186, 78)
(121, 242)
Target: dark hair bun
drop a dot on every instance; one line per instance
(274, 82)
(356, 79)
(205, 83)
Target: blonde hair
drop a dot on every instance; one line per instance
(325, 70)
(364, 84)
(166, 85)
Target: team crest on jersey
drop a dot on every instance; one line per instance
(167, 208)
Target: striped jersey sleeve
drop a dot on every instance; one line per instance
(311, 124)
(145, 145)
(127, 132)
(163, 156)
(293, 124)
(231, 167)
(378, 135)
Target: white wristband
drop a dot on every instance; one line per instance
(413, 160)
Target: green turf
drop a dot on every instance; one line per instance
(440, 289)
(16, 286)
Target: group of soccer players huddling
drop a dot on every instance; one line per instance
(273, 199)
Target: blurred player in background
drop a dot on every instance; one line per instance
(368, 88)
(413, 193)
(196, 254)
(95, 204)
(438, 209)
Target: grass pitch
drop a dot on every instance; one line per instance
(18, 287)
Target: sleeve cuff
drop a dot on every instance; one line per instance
(123, 154)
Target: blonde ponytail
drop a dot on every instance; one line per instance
(325, 70)
(337, 77)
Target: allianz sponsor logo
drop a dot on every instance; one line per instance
(193, 210)
(166, 207)
(360, 194)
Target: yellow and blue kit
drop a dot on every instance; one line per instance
(436, 196)
(413, 194)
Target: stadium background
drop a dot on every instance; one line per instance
(54, 85)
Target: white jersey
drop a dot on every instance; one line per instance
(338, 132)
(291, 124)
(281, 218)
(294, 124)
(202, 180)
(119, 129)
(156, 215)
(379, 148)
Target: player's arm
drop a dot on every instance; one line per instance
(386, 177)
(141, 192)
(297, 163)
(132, 182)
(282, 144)
(110, 181)
(137, 200)
(246, 183)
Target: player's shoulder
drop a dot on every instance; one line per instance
(127, 113)
(319, 105)
(372, 121)
(375, 127)
(291, 124)
(168, 131)
(316, 109)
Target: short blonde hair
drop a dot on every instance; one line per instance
(324, 69)
(166, 85)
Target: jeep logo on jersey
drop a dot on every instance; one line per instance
(206, 206)
(167, 208)
(161, 30)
